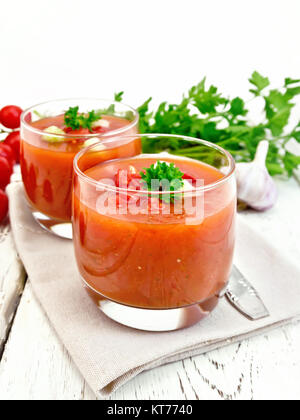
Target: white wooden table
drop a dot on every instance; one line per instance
(34, 364)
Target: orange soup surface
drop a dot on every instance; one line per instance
(155, 261)
(47, 167)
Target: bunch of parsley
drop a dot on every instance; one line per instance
(206, 114)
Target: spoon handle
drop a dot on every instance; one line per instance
(242, 295)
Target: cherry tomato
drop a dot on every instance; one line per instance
(7, 152)
(5, 172)
(3, 205)
(10, 116)
(13, 140)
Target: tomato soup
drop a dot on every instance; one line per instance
(47, 165)
(155, 261)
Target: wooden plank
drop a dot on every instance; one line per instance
(35, 365)
(254, 369)
(12, 277)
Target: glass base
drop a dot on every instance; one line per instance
(156, 320)
(56, 227)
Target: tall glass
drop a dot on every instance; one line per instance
(155, 259)
(47, 155)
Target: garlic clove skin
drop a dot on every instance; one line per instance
(255, 186)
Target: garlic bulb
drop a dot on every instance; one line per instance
(255, 186)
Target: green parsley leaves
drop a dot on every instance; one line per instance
(163, 176)
(119, 96)
(75, 120)
(207, 114)
(259, 82)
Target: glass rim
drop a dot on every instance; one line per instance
(75, 136)
(206, 187)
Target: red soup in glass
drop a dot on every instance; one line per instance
(49, 143)
(155, 259)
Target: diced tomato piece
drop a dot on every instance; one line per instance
(189, 178)
(80, 132)
(100, 130)
(126, 178)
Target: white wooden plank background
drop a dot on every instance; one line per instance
(36, 366)
(12, 277)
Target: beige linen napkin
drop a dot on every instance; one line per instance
(109, 354)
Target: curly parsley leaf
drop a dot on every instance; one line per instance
(163, 176)
(145, 116)
(75, 120)
(119, 96)
(206, 100)
(290, 162)
(259, 82)
(237, 107)
(288, 81)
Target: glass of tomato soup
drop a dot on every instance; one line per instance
(52, 134)
(154, 233)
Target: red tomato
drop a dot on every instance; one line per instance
(10, 116)
(5, 172)
(7, 152)
(189, 177)
(128, 178)
(28, 117)
(80, 132)
(3, 205)
(99, 130)
(13, 140)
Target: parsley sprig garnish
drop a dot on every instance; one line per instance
(207, 114)
(76, 120)
(163, 177)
